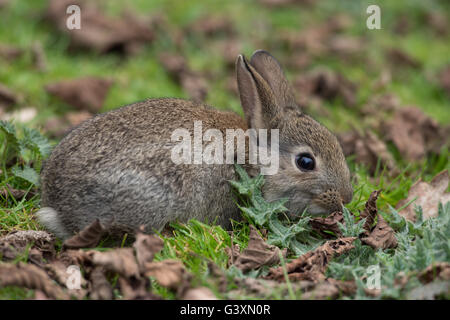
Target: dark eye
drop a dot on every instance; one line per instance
(305, 162)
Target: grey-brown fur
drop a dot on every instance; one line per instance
(117, 166)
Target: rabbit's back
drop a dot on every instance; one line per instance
(117, 167)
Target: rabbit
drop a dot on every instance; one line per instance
(117, 167)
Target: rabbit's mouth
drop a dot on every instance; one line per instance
(313, 208)
(316, 209)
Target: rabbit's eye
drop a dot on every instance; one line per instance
(305, 162)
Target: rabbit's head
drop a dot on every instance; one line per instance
(313, 173)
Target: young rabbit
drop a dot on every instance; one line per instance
(117, 166)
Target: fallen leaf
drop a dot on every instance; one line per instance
(16, 242)
(414, 133)
(258, 253)
(329, 223)
(212, 25)
(169, 273)
(87, 93)
(30, 277)
(435, 271)
(382, 236)
(367, 148)
(120, 260)
(427, 195)
(380, 105)
(39, 295)
(146, 246)
(315, 39)
(100, 287)
(218, 274)
(323, 290)
(101, 33)
(201, 293)
(136, 289)
(438, 22)
(431, 291)
(232, 252)
(75, 257)
(312, 265)
(327, 85)
(263, 288)
(370, 211)
(399, 58)
(89, 237)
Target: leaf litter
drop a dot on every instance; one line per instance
(132, 265)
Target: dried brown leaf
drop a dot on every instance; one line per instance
(370, 211)
(200, 293)
(258, 253)
(102, 34)
(400, 58)
(327, 85)
(16, 242)
(312, 265)
(438, 22)
(89, 237)
(382, 236)
(86, 93)
(169, 273)
(136, 289)
(146, 246)
(120, 260)
(329, 223)
(100, 287)
(212, 25)
(431, 291)
(368, 148)
(30, 277)
(435, 271)
(427, 195)
(323, 290)
(414, 133)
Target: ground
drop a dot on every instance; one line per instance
(367, 77)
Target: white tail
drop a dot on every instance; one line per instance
(48, 217)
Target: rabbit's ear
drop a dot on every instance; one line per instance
(270, 69)
(257, 98)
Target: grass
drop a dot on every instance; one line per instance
(142, 76)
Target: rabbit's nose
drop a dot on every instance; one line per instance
(332, 200)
